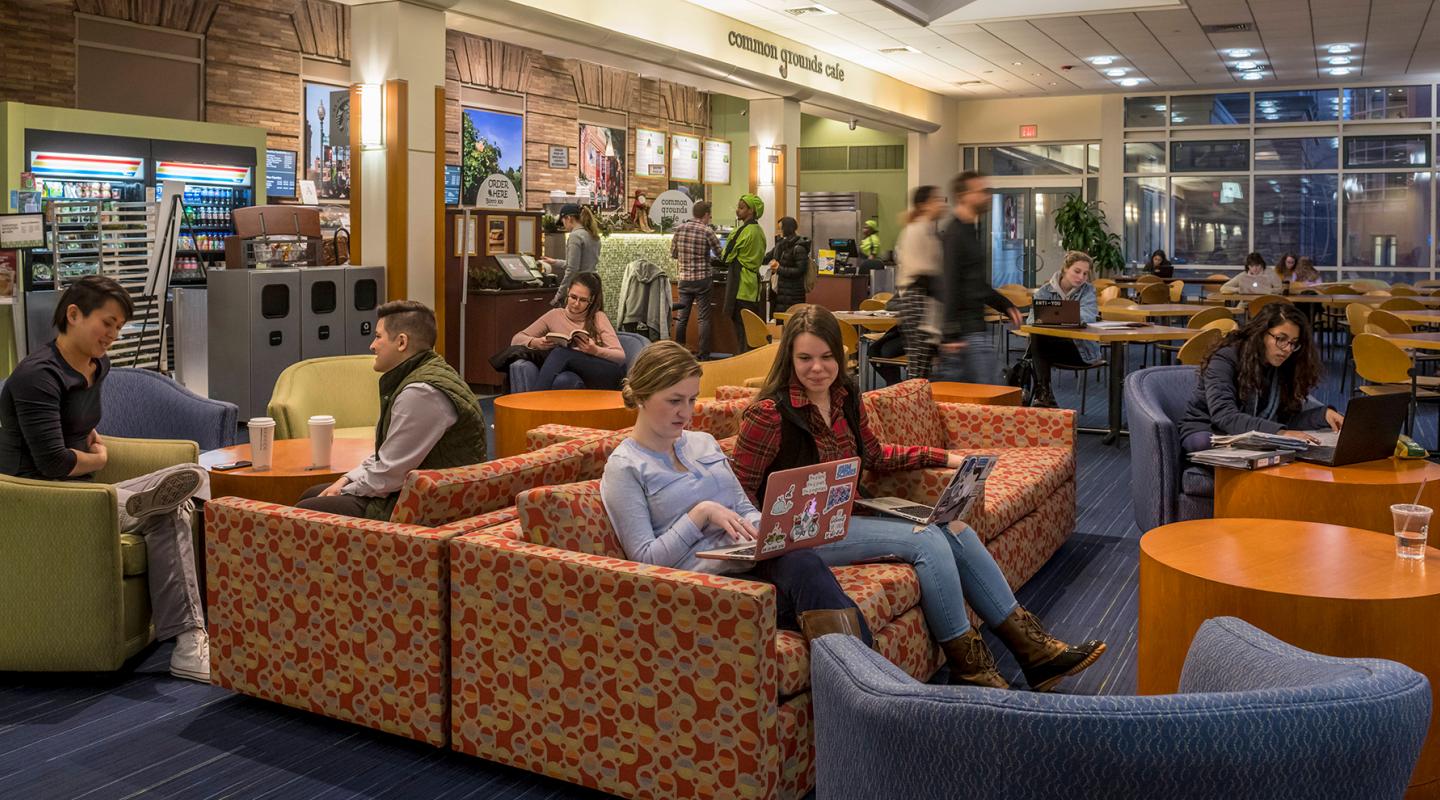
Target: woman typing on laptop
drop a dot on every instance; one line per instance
(809, 412)
(1259, 378)
(671, 495)
(1071, 282)
(1256, 279)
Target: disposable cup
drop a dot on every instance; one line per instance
(262, 442)
(322, 439)
(1412, 529)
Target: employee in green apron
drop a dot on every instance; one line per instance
(743, 253)
(870, 243)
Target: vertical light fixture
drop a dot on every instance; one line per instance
(372, 116)
(769, 160)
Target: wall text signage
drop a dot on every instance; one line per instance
(787, 58)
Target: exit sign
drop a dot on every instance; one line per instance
(1029, 131)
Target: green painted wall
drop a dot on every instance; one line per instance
(891, 187)
(16, 118)
(728, 121)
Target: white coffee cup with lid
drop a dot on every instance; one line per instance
(322, 439)
(262, 442)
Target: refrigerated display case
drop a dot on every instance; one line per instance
(212, 193)
(84, 176)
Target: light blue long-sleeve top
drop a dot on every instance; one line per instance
(1089, 311)
(649, 502)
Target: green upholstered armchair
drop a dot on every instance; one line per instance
(72, 584)
(345, 387)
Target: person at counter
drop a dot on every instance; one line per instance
(49, 412)
(743, 253)
(577, 338)
(582, 248)
(789, 262)
(429, 418)
(870, 240)
(966, 352)
(693, 246)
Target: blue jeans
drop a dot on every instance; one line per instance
(953, 568)
(975, 363)
(595, 372)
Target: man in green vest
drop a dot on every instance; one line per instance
(743, 253)
(429, 418)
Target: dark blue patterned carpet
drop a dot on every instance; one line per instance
(140, 733)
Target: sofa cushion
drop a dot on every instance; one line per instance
(1019, 483)
(719, 418)
(1198, 481)
(905, 413)
(133, 560)
(736, 392)
(569, 517)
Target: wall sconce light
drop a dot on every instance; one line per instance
(769, 163)
(372, 116)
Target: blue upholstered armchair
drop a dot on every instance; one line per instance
(1255, 718)
(1164, 487)
(523, 373)
(140, 404)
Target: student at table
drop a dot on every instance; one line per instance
(1305, 274)
(670, 494)
(1071, 282)
(1286, 265)
(1254, 280)
(596, 357)
(809, 412)
(1159, 265)
(1259, 379)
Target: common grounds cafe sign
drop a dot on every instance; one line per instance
(787, 57)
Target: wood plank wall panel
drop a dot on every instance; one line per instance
(37, 57)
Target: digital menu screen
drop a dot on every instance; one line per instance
(649, 153)
(280, 173)
(717, 161)
(452, 185)
(685, 158)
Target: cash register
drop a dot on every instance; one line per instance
(847, 256)
(519, 271)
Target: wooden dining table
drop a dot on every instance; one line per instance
(1115, 340)
(1306, 299)
(1154, 311)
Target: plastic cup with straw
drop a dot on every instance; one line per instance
(1412, 526)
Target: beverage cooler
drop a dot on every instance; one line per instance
(218, 180)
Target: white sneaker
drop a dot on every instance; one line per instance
(191, 659)
(166, 493)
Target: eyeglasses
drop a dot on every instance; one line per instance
(577, 299)
(1285, 342)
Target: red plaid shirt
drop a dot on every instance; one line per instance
(759, 440)
(692, 245)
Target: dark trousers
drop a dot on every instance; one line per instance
(345, 505)
(595, 372)
(739, 305)
(803, 583)
(695, 293)
(1047, 351)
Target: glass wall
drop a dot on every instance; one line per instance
(1345, 176)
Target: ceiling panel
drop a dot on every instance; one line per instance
(1395, 27)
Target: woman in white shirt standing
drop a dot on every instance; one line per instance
(917, 262)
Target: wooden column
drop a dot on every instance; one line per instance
(355, 238)
(441, 318)
(397, 181)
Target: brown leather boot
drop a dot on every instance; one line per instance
(1043, 658)
(814, 624)
(971, 663)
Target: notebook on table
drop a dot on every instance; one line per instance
(1057, 314)
(960, 497)
(803, 507)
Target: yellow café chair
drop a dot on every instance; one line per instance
(345, 387)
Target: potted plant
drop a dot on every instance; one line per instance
(1082, 226)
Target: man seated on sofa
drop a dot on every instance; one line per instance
(49, 409)
(429, 418)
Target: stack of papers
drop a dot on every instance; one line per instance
(1236, 458)
(1255, 440)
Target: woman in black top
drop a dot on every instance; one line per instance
(790, 259)
(1259, 379)
(1159, 265)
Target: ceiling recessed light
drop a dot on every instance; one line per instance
(813, 8)
(1252, 76)
(1339, 61)
(1247, 66)
(1339, 70)
(1118, 72)
(1240, 53)
(1102, 61)
(892, 50)
(1130, 82)
(1339, 49)
(1053, 83)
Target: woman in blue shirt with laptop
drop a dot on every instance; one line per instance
(1070, 282)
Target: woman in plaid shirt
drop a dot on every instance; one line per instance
(809, 412)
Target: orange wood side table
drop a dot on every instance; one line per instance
(1359, 495)
(980, 394)
(288, 476)
(1325, 588)
(516, 414)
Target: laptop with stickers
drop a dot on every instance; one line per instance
(960, 497)
(804, 507)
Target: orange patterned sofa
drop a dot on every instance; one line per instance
(643, 681)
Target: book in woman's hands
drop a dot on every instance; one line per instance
(571, 339)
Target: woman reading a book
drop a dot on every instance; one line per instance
(670, 494)
(809, 412)
(578, 338)
(1259, 378)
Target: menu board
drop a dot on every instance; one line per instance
(685, 158)
(279, 173)
(717, 161)
(22, 230)
(649, 153)
(452, 185)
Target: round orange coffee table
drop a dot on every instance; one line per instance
(289, 474)
(1326, 588)
(982, 394)
(516, 414)
(1359, 495)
